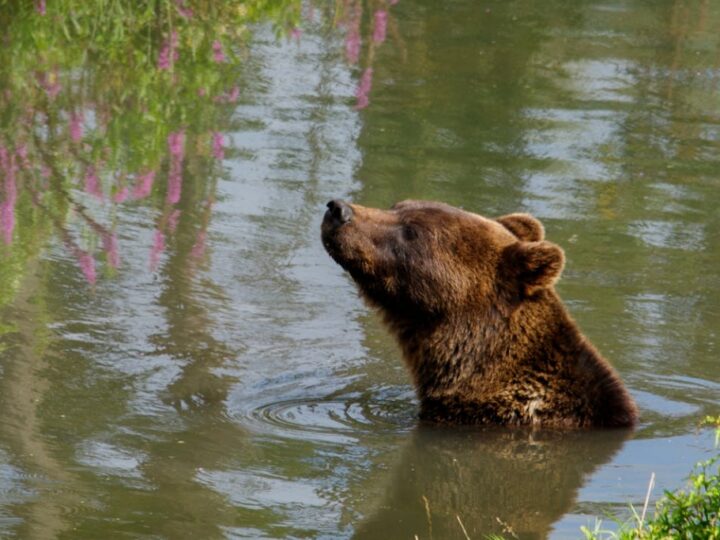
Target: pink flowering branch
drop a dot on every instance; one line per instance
(50, 82)
(183, 10)
(7, 208)
(144, 184)
(92, 182)
(218, 53)
(169, 54)
(173, 220)
(157, 249)
(200, 245)
(363, 91)
(76, 126)
(122, 195)
(229, 97)
(85, 260)
(218, 142)
(176, 144)
(198, 249)
(353, 41)
(87, 265)
(380, 26)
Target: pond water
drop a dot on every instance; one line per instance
(179, 358)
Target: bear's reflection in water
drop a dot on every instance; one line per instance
(516, 483)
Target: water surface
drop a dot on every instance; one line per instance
(187, 362)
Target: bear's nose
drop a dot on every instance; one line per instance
(340, 210)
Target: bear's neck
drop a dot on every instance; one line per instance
(444, 351)
(489, 353)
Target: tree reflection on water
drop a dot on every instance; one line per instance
(106, 104)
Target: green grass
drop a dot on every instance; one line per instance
(690, 513)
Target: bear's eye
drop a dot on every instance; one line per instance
(409, 232)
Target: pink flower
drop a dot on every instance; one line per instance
(393, 2)
(169, 52)
(199, 247)
(40, 7)
(92, 182)
(143, 187)
(363, 89)
(50, 83)
(202, 92)
(217, 145)
(164, 57)
(174, 183)
(296, 33)
(22, 153)
(110, 244)
(352, 38)
(122, 195)
(176, 142)
(7, 208)
(87, 265)
(218, 54)
(157, 248)
(380, 27)
(183, 10)
(76, 126)
(229, 97)
(233, 95)
(173, 220)
(352, 46)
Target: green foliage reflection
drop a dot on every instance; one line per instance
(100, 99)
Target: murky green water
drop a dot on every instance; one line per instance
(180, 359)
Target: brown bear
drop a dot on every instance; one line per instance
(472, 303)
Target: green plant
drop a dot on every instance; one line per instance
(690, 513)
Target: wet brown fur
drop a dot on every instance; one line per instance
(472, 303)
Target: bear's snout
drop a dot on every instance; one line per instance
(338, 212)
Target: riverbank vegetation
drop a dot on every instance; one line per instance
(689, 513)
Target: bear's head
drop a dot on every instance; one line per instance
(429, 258)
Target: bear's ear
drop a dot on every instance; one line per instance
(536, 265)
(524, 226)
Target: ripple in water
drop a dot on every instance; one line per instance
(332, 419)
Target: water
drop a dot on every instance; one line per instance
(225, 381)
